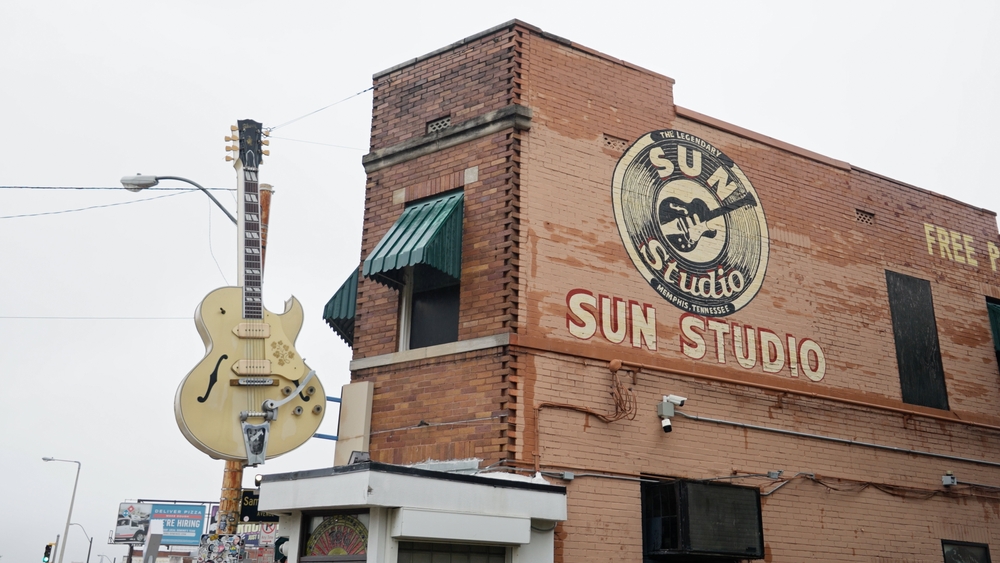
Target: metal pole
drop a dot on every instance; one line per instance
(199, 186)
(57, 547)
(72, 499)
(89, 548)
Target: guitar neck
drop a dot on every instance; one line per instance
(742, 202)
(250, 276)
(252, 271)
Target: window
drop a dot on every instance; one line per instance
(993, 310)
(700, 522)
(334, 538)
(428, 309)
(918, 353)
(421, 257)
(419, 552)
(965, 552)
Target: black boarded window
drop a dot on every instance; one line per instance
(918, 353)
(993, 310)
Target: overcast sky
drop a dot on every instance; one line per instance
(96, 305)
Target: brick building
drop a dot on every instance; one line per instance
(552, 247)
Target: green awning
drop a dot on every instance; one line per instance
(428, 233)
(339, 310)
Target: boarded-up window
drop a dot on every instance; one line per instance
(993, 309)
(918, 353)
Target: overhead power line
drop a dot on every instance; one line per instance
(372, 87)
(89, 208)
(167, 189)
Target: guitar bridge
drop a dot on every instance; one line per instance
(252, 330)
(253, 382)
(252, 367)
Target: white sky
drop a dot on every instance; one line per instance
(91, 91)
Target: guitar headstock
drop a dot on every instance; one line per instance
(248, 143)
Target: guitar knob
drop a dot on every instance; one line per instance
(286, 391)
(317, 409)
(311, 390)
(297, 411)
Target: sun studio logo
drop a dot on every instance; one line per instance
(691, 222)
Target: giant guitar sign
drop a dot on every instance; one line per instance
(251, 397)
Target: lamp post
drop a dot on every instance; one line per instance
(89, 547)
(72, 499)
(103, 557)
(140, 182)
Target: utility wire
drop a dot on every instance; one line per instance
(175, 189)
(372, 87)
(89, 208)
(316, 143)
(97, 318)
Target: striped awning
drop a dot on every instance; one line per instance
(428, 233)
(339, 310)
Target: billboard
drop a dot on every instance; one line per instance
(183, 524)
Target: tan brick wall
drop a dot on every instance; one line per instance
(539, 224)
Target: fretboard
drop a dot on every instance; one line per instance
(252, 268)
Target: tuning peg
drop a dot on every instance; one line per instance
(228, 138)
(233, 148)
(233, 128)
(265, 142)
(266, 152)
(229, 158)
(267, 132)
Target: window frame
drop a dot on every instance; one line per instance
(945, 544)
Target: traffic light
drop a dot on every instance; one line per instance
(48, 553)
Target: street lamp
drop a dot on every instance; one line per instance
(140, 182)
(103, 557)
(72, 499)
(88, 536)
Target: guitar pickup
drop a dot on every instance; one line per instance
(252, 367)
(253, 382)
(252, 330)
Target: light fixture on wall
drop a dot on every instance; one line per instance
(665, 410)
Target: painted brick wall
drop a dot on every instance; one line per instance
(825, 281)
(539, 224)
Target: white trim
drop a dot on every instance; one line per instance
(433, 351)
(405, 309)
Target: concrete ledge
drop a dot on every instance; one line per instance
(433, 351)
(518, 117)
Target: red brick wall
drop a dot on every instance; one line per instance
(456, 396)
(539, 224)
(466, 81)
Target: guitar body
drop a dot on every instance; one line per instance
(674, 210)
(686, 223)
(230, 379)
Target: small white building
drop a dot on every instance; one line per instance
(383, 513)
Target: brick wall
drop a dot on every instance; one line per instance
(539, 224)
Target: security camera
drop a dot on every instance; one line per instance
(676, 399)
(666, 425)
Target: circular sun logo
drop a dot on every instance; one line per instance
(691, 222)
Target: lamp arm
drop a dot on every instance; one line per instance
(200, 187)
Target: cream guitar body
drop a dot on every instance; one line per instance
(247, 363)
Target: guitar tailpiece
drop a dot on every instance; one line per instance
(266, 415)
